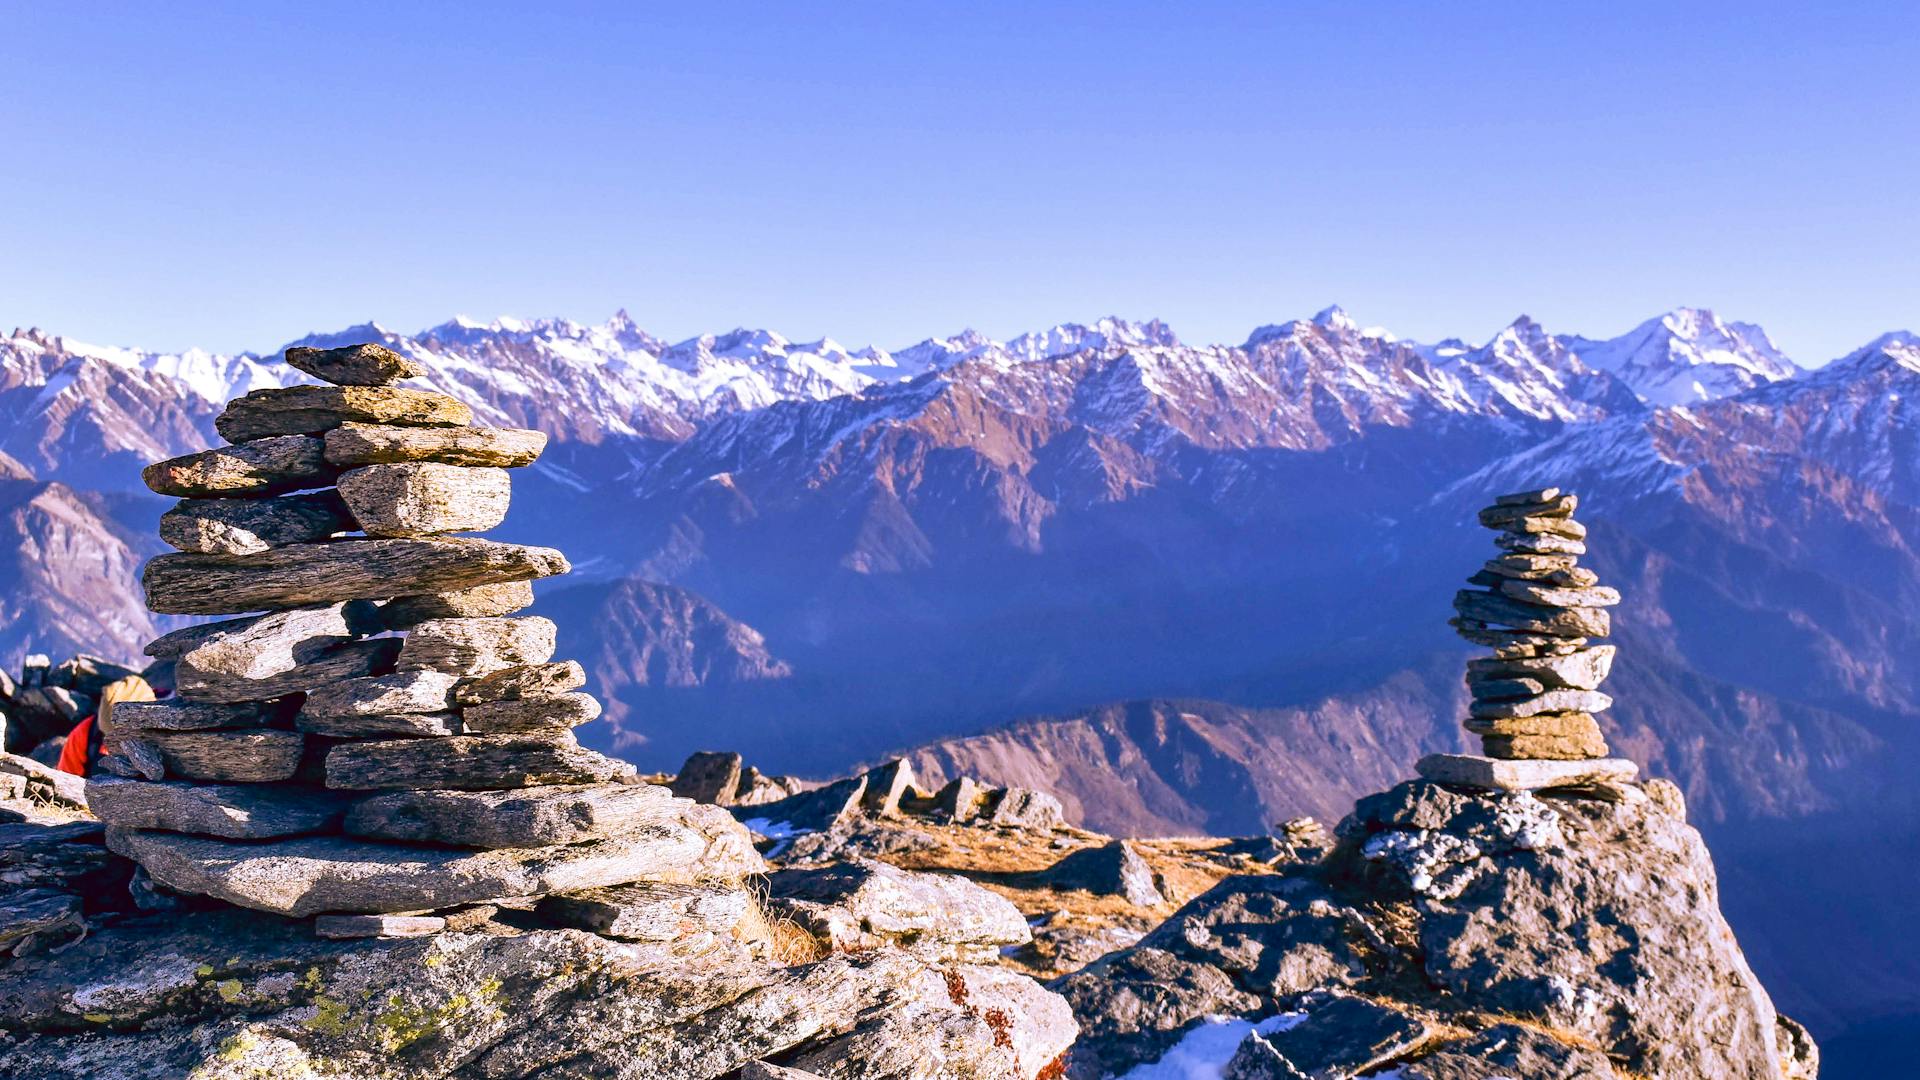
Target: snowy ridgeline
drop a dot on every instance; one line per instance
(1685, 355)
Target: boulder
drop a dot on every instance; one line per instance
(1540, 544)
(1496, 774)
(314, 410)
(885, 785)
(1114, 868)
(709, 776)
(1005, 1026)
(1019, 808)
(424, 498)
(759, 789)
(520, 682)
(1558, 525)
(374, 444)
(187, 583)
(44, 783)
(1584, 669)
(249, 526)
(1552, 701)
(1579, 746)
(265, 467)
(1531, 567)
(477, 762)
(1504, 689)
(469, 647)
(959, 799)
(42, 914)
(40, 713)
(1592, 596)
(651, 910)
(271, 656)
(399, 692)
(312, 875)
(1438, 914)
(67, 857)
(174, 714)
(367, 364)
(1490, 607)
(533, 816)
(479, 602)
(1502, 514)
(355, 659)
(256, 756)
(812, 811)
(868, 903)
(233, 811)
(559, 713)
(281, 638)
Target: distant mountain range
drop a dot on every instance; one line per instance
(1190, 588)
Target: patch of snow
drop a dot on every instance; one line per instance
(1203, 1053)
(783, 832)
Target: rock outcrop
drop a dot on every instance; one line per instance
(1593, 918)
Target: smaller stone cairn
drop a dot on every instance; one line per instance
(1535, 698)
(377, 740)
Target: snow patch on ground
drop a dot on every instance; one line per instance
(1203, 1053)
(784, 832)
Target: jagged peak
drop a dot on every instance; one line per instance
(1335, 317)
(1891, 350)
(1524, 335)
(1106, 332)
(352, 335)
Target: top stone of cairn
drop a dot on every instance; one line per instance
(355, 365)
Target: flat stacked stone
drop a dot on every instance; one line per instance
(373, 732)
(1534, 699)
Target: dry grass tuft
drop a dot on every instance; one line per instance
(781, 939)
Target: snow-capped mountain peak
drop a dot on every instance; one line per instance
(1687, 355)
(1109, 332)
(1335, 317)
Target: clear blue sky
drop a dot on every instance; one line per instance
(232, 176)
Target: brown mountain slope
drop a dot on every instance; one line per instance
(644, 644)
(65, 573)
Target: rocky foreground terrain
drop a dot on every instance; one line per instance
(1433, 933)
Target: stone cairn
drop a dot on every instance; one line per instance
(387, 744)
(1534, 698)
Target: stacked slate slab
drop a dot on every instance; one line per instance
(372, 734)
(1541, 613)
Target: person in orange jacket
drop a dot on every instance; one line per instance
(88, 739)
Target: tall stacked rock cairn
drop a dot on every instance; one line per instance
(1540, 612)
(377, 740)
